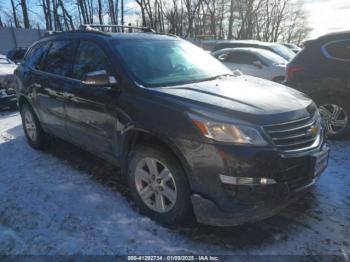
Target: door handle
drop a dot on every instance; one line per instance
(68, 95)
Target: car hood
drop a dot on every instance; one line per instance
(7, 69)
(244, 94)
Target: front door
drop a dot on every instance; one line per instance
(91, 110)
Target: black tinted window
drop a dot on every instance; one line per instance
(35, 57)
(339, 50)
(241, 58)
(90, 58)
(58, 60)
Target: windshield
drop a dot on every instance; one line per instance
(283, 51)
(5, 61)
(163, 63)
(272, 58)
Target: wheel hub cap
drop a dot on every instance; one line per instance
(30, 125)
(335, 117)
(155, 185)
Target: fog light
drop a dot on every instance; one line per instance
(246, 180)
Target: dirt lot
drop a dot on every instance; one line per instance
(66, 201)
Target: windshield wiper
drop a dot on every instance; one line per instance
(218, 77)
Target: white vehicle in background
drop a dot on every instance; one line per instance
(296, 49)
(255, 62)
(7, 83)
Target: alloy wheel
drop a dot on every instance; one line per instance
(335, 117)
(155, 185)
(30, 125)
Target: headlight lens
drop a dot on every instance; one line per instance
(229, 133)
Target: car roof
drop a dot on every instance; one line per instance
(250, 42)
(329, 37)
(247, 49)
(255, 50)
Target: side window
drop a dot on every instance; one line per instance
(35, 58)
(242, 58)
(58, 60)
(339, 50)
(90, 58)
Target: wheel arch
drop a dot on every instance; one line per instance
(21, 100)
(136, 137)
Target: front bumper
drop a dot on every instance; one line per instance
(219, 204)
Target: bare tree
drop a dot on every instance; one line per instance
(14, 13)
(68, 20)
(26, 23)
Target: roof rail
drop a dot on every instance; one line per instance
(114, 28)
(50, 32)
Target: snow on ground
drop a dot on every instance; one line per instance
(66, 201)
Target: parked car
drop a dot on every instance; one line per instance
(296, 49)
(279, 49)
(7, 83)
(255, 62)
(17, 54)
(322, 70)
(188, 134)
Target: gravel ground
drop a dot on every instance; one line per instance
(66, 201)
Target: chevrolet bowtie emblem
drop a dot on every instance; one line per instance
(312, 131)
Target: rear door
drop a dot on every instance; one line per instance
(90, 110)
(52, 79)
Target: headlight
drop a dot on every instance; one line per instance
(228, 133)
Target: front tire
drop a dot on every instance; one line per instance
(35, 135)
(158, 185)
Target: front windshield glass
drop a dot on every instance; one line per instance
(168, 62)
(272, 58)
(5, 61)
(283, 51)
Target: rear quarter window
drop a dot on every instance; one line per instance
(339, 50)
(35, 56)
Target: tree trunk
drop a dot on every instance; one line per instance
(15, 19)
(68, 20)
(25, 14)
(230, 21)
(122, 13)
(100, 12)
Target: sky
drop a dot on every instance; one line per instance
(327, 16)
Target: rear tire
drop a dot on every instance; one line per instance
(336, 113)
(35, 135)
(158, 185)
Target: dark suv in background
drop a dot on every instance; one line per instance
(322, 70)
(188, 134)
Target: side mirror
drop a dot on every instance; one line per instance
(258, 64)
(222, 58)
(100, 79)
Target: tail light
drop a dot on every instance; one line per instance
(292, 71)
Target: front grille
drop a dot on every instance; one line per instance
(295, 135)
